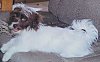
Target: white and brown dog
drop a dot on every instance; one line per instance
(72, 41)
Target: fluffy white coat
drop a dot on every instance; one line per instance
(64, 41)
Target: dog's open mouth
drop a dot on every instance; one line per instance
(16, 29)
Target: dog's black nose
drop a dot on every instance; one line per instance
(15, 25)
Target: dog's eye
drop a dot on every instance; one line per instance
(71, 28)
(13, 15)
(84, 30)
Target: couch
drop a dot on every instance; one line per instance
(61, 13)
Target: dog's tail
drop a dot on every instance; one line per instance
(86, 25)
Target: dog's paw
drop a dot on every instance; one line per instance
(4, 48)
(6, 57)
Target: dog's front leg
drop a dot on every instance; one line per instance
(8, 45)
(8, 54)
(12, 51)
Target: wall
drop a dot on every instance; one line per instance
(7, 5)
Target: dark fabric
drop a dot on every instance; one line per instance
(50, 20)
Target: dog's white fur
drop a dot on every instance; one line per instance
(64, 41)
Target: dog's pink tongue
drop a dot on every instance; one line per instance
(15, 30)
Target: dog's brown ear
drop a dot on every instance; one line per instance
(34, 21)
(38, 20)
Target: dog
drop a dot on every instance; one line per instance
(23, 16)
(72, 41)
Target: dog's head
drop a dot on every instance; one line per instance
(23, 16)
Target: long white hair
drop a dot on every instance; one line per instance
(26, 9)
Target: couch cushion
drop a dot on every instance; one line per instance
(67, 10)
